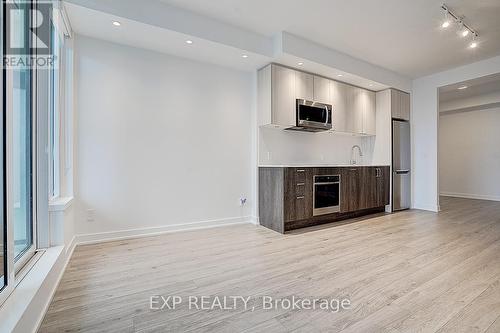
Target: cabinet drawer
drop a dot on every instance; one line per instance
(300, 175)
(300, 189)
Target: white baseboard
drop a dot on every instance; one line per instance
(470, 196)
(151, 231)
(429, 207)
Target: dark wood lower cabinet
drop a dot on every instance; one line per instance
(298, 193)
(286, 195)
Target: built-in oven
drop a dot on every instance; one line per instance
(312, 116)
(326, 195)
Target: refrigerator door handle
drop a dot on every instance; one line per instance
(401, 172)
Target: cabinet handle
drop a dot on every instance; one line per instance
(301, 170)
(353, 169)
(300, 184)
(299, 198)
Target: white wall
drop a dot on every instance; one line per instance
(161, 140)
(424, 121)
(282, 147)
(469, 154)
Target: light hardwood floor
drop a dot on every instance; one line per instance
(405, 272)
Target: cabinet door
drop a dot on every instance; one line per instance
(400, 104)
(339, 100)
(383, 186)
(395, 104)
(367, 188)
(322, 90)
(405, 106)
(304, 86)
(350, 198)
(355, 110)
(283, 96)
(369, 116)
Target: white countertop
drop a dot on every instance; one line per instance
(318, 165)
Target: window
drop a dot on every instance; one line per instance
(22, 140)
(18, 227)
(32, 96)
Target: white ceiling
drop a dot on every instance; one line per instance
(401, 35)
(477, 87)
(98, 24)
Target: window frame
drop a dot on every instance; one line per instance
(25, 256)
(54, 128)
(15, 265)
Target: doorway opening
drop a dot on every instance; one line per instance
(469, 144)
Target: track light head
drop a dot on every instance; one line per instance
(447, 22)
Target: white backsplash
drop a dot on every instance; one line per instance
(281, 147)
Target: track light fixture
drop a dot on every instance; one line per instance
(464, 29)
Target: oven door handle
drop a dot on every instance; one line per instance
(327, 116)
(330, 183)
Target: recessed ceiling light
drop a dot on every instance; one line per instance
(340, 75)
(189, 41)
(371, 84)
(462, 87)
(473, 45)
(300, 63)
(244, 56)
(116, 23)
(445, 24)
(465, 32)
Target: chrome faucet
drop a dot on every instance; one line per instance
(353, 160)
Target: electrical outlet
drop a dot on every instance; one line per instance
(90, 215)
(243, 201)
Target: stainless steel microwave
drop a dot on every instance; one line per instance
(312, 116)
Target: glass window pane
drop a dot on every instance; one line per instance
(22, 150)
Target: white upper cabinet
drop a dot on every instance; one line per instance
(369, 117)
(322, 90)
(400, 104)
(304, 86)
(353, 108)
(356, 102)
(283, 96)
(340, 105)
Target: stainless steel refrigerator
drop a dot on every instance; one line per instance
(401, 165)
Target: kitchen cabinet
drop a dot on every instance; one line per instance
(279, 87)
(361, 118)
(364, 188)
(340, 103)
(369, 113)
(383, 186)
(286, 195)
(283, 96)
(356, 105)
(298, 194)
(400, 104)
(322, 90)
(304, 86)
(350, 196)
